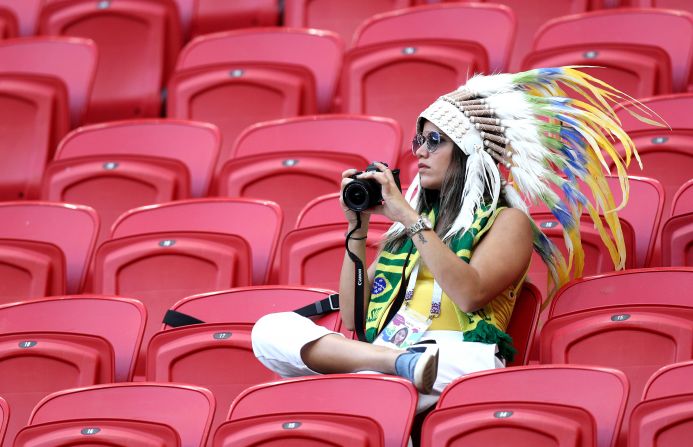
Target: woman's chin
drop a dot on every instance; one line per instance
(428, 183)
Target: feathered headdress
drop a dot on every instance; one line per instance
(546, 141)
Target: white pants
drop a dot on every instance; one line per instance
(278, 339)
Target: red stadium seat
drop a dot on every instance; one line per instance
(186, 10)
(335, 15)
(393, 409)
(26, 13)
(8, 23)
(682, 202)
(221, 15)
(669, 4)
(670, 30)
(156, 138)
(257, 221)
(677, 241)
(318, 51)
(113, 184)
(523, 322)
(185, 408)
(635, 69)
(673, 110)
(86, 432)
(71, 60)
(236, 95)
(519, 423)
(73, 228)
(326, 209)
(120, 321)
(667, 421)
(149, 37)
(4, 417)
(161, 268)
(300, 429)
(670, 380)
(30, 269)
(34, 110)
(600, 391)
(34, 364)
(290, 179)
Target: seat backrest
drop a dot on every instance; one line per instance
(149, 38)
(523, 322)
(257, 221)
(30, 269)
(663, 421)
(4, 418)
(73, 228)
(670, 30)
(187, 409)
(671, 108)
(669, 380)
(318, 50)
(683, 200)
(157, 138)
(72, 60)
(248, 304)
(83, 432)
(8, 23)
(120, 321)
(34, 364)
(112, 184)
(458, 21)
(299, 429)
(526, 423)
(600, 391)
(26, 12)
(219, 15)
(677, 240)
(326, 209)
(340, 394)
(161, 268)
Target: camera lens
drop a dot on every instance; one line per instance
(356, 196)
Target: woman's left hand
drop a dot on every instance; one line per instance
(394, 205)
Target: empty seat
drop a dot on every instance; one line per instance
(73, 228)
(30, 269)
(682, 202)
(393, 409)
(336, 16)
(161, 268)
(317, 50)
(34, 364)
(670, 380)
(326, 209)
(89, 432)
(71, 60)
(149, 37)
(112, 184)
(8, 23)
(670, 30)
(522, 326)
(518, 423)
(663, 422)
(256, 221)
(185, 408)
(120, 321)
(677, 240)
(600, 391)
(220, 15)
(151, 137)
(300, 429)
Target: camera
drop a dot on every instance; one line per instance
(362, 194)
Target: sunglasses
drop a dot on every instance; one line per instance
(432, 140)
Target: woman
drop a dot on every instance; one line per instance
(457, 254)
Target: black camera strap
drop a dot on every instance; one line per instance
(359, 281)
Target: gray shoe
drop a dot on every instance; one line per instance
(420, 366)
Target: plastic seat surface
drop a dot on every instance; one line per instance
(219, 15)
(151, 137)
(671, 108)
(520, 423)
(666, 421)
(669, 380)
(187, 409)
(161, 268)
(72, 60)
(260, 224)
(112, 184)
(120, 321)
(682, 202)
(339, 394)
(464, 22)
(4, 417)
(26, 13)
(600, 391)
(99, 432)
(670, 30)
(30, 269)
(34, 111)
(318, 50)
(635, 69)
(35, 364)
(299, 430)
(523, 322)
(73, 228)
(235, 95)
(8, 23)
(677, 241)
(326, 209)
(149, 38)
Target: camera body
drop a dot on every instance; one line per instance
(362, 194)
